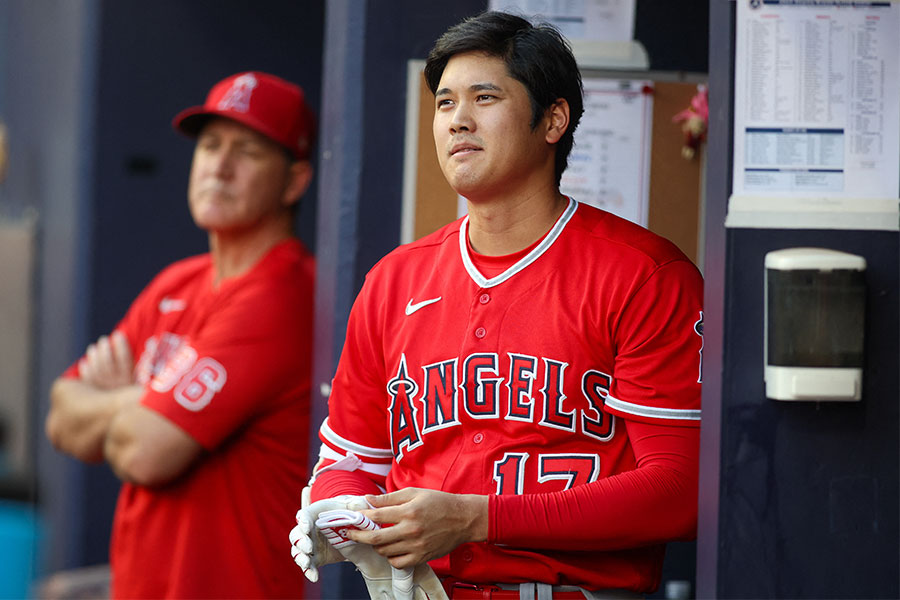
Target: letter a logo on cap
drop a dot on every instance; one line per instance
(238, 97)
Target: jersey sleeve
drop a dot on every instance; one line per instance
(654, 503)
(329, 484)
(659, 343)
(251, 356)
(356, 434)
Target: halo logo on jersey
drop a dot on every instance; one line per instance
(238, 97)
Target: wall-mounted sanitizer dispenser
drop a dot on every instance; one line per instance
(815, 302)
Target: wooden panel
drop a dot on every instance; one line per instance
(674, 181)
(435, 199)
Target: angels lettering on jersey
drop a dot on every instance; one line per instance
(530, 390)
(170, 363)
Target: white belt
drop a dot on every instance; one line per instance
(544, 591)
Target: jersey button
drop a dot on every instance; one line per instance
(484, 298)
(478, 438)
(467, 555)
(480, 332)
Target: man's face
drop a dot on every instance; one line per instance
(482, 130)
(238, 178)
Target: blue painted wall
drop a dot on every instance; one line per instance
(797, 500)
(809, 495)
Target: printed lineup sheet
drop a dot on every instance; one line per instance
(816, 115)
(609, 166)
(607, 20)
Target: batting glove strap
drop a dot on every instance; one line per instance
(334, 525)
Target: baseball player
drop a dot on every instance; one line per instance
(518, 397)
(197, 397)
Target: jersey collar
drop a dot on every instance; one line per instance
(526, 260)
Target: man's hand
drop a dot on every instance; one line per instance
(383, 581)
(82, 408)
(108, 363)
(311, 549)
(427, 524)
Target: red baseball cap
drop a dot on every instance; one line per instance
(265, 103)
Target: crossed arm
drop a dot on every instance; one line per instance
(98, 416)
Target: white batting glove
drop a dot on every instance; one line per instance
(309, 547)
(383, 581)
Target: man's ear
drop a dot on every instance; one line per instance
(558, 121)
(300, 175)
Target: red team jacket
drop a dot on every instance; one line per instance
(517, 382)
(231, 367)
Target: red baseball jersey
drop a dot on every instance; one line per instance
(469, 375)
(230, 365)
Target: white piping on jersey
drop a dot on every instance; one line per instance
(526, 260)
(652, 411)
(347, 463)
(353, 447)
(350, 462)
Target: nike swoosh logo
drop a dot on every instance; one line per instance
(411, 308)
(167, 305)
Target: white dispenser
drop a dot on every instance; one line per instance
(815, 302)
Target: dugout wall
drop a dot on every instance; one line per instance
(797, 500)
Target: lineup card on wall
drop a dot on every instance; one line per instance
(600, 32)
(607, 20)
(816, 115)
(609, 166)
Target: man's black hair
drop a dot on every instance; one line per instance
(536, 55)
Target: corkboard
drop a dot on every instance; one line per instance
(674, 197)
(435, 199)
(675, 206)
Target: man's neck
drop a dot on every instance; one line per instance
(500, 227)
(235, 253)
